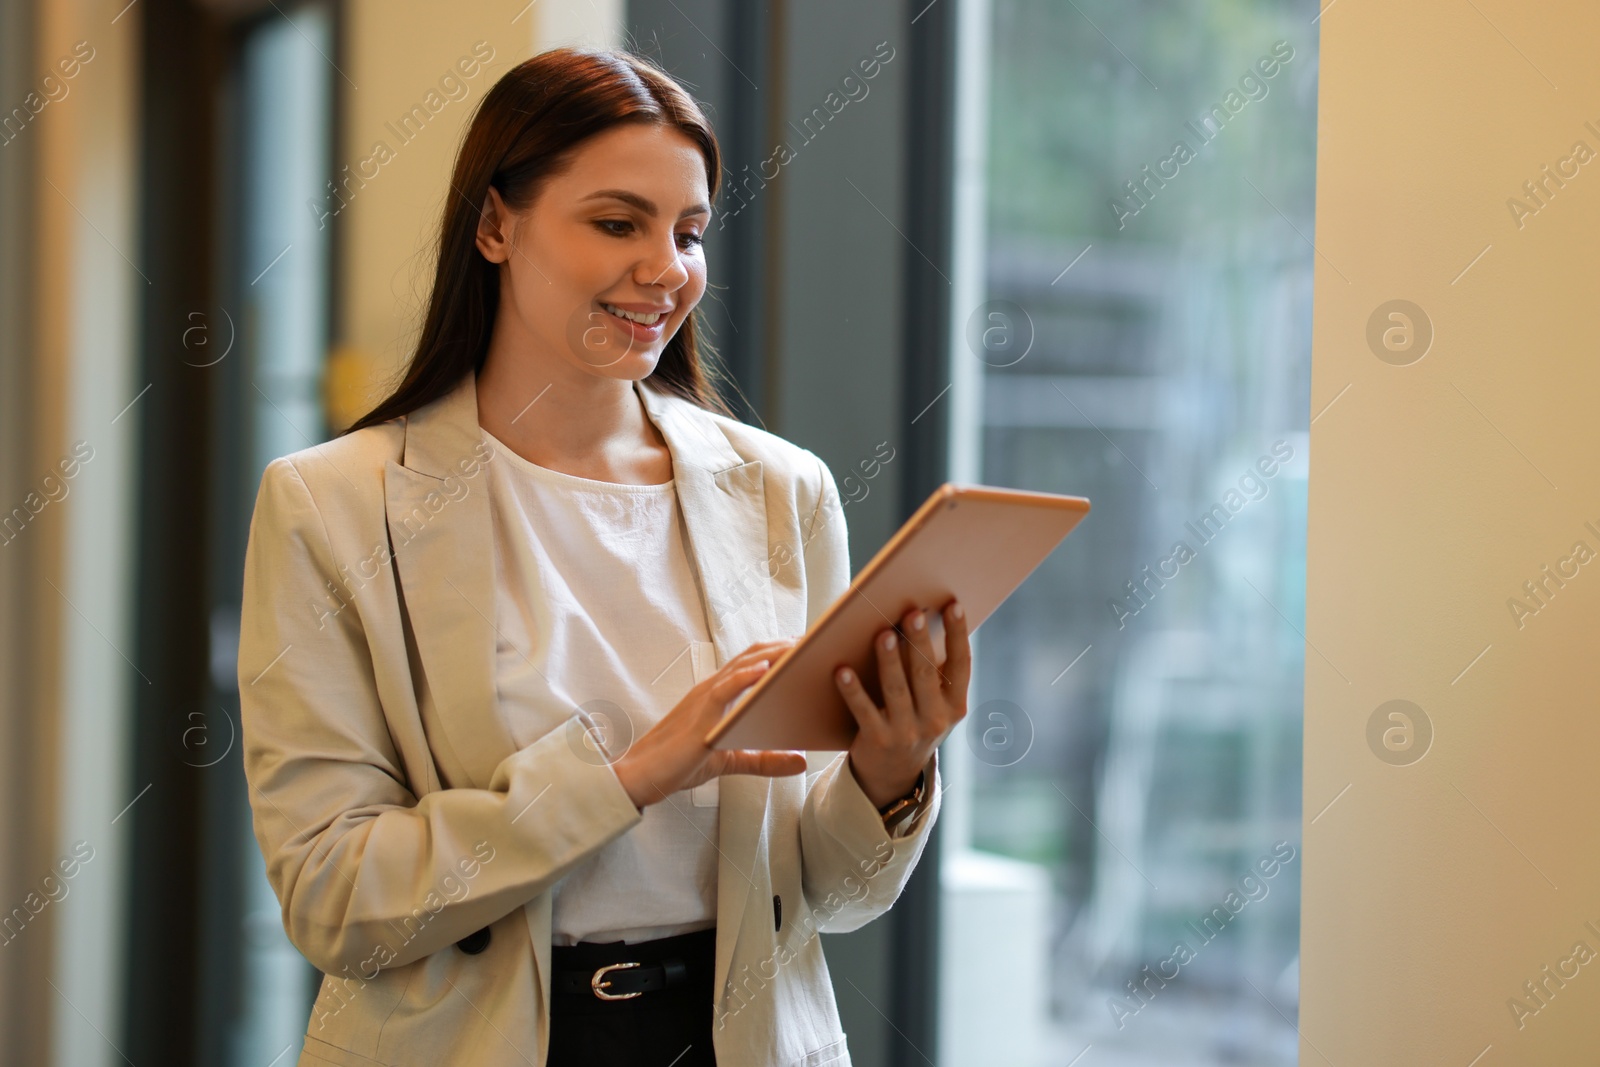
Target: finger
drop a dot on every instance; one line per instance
(765, 650)
(767, 764)
(925, 684)
(897, 706)
(957, 648)
(764, 647)
(868, 715)
(728, 682)
(768, 651)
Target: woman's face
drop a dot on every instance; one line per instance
(606, 264)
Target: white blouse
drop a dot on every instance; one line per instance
(598, 609)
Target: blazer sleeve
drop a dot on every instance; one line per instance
(369, 875)
(843, 843)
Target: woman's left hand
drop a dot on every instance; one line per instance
(896, 741)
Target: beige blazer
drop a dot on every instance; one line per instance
(413, 848)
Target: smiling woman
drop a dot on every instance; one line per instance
(519, 151)
(536, 665)
(599, 276)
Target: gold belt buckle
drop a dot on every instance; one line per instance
(599, 987)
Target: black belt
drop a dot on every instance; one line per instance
(618, 971)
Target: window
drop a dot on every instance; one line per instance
(1122, 861)
(286, 102)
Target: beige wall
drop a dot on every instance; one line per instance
(65, 968)
(395, 54)
(1434, 890)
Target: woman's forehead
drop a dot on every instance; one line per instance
(658, 163)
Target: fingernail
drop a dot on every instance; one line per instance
(888, 640)
(846, 675)
(956, 611)
(917, 622)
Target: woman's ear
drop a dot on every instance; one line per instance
(493, 221)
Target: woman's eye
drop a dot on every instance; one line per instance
(615, 227)
(687, 241)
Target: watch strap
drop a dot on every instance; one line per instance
(896, 811)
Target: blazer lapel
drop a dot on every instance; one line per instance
(723, 500)
(440, 529)
(441, 537)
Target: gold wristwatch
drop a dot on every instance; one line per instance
(896, 811)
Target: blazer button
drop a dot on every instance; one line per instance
(474, 943)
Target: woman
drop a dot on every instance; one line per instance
(486, 630)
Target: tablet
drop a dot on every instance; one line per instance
(975, 543)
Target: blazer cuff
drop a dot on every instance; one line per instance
(912, 824)
(544, 782)
(845, 807)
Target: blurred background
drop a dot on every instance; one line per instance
(987, 260)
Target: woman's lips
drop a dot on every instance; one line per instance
(637, 330)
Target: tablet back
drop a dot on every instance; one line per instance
(973, 543)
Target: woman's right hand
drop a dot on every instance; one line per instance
(673, 754)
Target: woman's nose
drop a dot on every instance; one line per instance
(665, 269)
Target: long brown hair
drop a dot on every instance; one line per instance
(523, 129)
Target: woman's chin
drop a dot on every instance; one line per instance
(631, 366)
(640, 363)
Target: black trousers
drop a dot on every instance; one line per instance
(669, 1027)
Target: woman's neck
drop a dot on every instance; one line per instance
(569, 420)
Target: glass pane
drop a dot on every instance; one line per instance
(286, 101)
(1123, 870)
